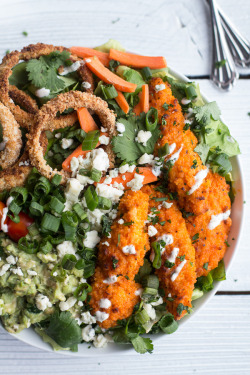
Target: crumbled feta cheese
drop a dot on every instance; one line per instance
(136, 183)
(166, 204)
(70, 69)
(31, 273)
(112, 215)
(109, 192)
(73, 189)
(11, 259)
(167, 238)
(95, 217)
(74, 164)
(120, 127)
(66, 247)
(101, 316)
(42, 93)
(124, 177)
(103, 130)
(143, 136)
(4, 269)
(160, 87)
(107, 180)
(58, 135)
(121, 221)
(146, 159)
(100, 159)
(113, 173)
(138, 292)
(150, 310)
(86, 85)
(104, 303)
(17, 271)
(64, 306)
(92, 239)
(80, 303)
(129, 249)
(88, 333)
(127, 168)
(110, 280)
(152, 231)
(118, 186)
(87, 318)
(66, 143)
(42, 302)
(105, 243)
(104, 140)
(100, 341)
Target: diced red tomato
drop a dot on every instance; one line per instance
(19, 230)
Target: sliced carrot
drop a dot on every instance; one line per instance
(138, 61)
(89, 52)
(145, 171)
(94, 64)
(122, 102)
(78, 152)
(87, 123)
(143, 105)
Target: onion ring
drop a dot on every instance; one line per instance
(75, 100)
(12, 138)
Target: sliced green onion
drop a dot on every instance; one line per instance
(70, 223)
(42, 187)
(79, 211)
(152, 119)
(56, 180)
(50, 223)
(56, 205)
(45, 247)
(89, 269)
(14, 208)
(157, 250)
(91, 140)
(104, 203)
(168, 324)
(94, 174)
(80, 264)
(3, 195)
(69, 261)
(142, 317)
(36, 209)
(191, 92)
(20, 194)
(32, 179)
(82, 291)
(109, 92)
(149, 292)
(91, 198)
(146, 73)
(164, 150)
(32, 229)
(150, 281)
(14, 218)
(29, 247)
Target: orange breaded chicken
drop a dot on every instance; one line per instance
(201, 193)
(177, 281)
(124, 251)
(121, 295)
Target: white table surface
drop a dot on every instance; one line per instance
(217, 340)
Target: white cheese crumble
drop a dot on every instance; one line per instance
(17, 271)
(11, 259)
(104, 303)
(217, 219)
(86, 85)
(113, 173)
(167, 238)
(127, 168)
(100, 159)
(150, 310)
(103, 130)
(178, 270)
(136, 183)
(166, 204)
(101, 316)
(66, 247)
(70, 69)
(41, 93)
(129, 249)
(42, 302)
(152, 231)
(109, 192)
(87, 318)
(160, 87)
(143, 136)
(73, 189)
(31, 273)
(88, 333)
(110, 280)
(66, 143)
(105, 243)
(64, 306)
(100, 341)
(121, 221)
(120, 127)
(146, 159)
(4, 269)
(92, 239)
(138, 292)
(199, 177)
(104, 140)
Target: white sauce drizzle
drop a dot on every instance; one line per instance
(185, 101)
(70, 69)
(110, 280)
(178, 270)
(173, 255)
(217, 219)
(172, 148)
(199, 177)
(160, 87)
(41, 93)
(129, 249)
(5, 213)
(176, 155)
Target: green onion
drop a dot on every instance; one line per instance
(36, 209)
(29, 247)
(164, 150)
(79, 211)
(152, 119)
(150, 281)
(50, 223)
(14, 218)
(20, 194)
(45, 247)
(58, 273)
(104, 203)
(94, 174)
(32, 179)
(69, 261)
(14, 208)
(91, 140)
(191, 92)
(89, 269)
(3, 195)
(109, 92)
(56, 180)
(149, 292)
(142, 317)
(91, 198)
(80, 264)
(146, 73)
(56, 205)
(168, 324)
(69, 223)
(32, 229)
(82, 291)
(42, 187)
(157, 250)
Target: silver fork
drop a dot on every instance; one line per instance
(224, 73)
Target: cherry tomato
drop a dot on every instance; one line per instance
(2, 206)
(19, 230)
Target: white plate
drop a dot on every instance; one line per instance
(30, 337)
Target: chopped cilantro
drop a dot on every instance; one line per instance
(106, 225)
(169, 264)
(114, 262)
(165, 106)
(205, 266)
(113, 64)
(169, 221)
(195, 238)
(194, 165)
(204, 114)
(182, 258)
(181, 308)
(187, 214)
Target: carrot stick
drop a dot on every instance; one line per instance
(138, 61)
(122, 102)
(89, 52)
(87, 123)
(137, 109)
(143, 105)
(94, 64)
(145, 171)
(78, 152)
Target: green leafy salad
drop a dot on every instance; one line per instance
(50, 231)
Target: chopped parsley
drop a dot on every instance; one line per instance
(181, 308)
(182, 258)
(195, 238)
(194, 165)
(114, 262)
(165, 106)
(169, 264)
(205, 266)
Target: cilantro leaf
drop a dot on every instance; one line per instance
(142, 345)
(64, 330)
(125, 147)
(133, 76)
(206, 112)
(202, 150)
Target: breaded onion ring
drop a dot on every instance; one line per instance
(25, 117)
(75, 100)
(12, 138)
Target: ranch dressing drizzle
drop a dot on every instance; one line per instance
(199, 177)
(173, 255)
(217, 219)
(176, 155)
(178, 270)
(5, 213)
